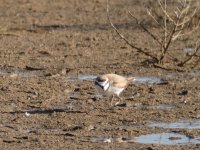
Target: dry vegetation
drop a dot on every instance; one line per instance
(175, 21)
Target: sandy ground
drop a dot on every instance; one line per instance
(49, 55)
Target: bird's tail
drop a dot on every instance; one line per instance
(131, 79)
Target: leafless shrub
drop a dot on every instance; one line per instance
(173, 26)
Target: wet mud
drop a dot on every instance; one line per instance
(50, 54)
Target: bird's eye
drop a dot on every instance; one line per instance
(100, 80)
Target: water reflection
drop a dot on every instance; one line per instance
(181, 124)
(166, 139)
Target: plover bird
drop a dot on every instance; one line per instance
(112, 85)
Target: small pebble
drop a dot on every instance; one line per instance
(27, 114)
(13, 75)
(109, 140)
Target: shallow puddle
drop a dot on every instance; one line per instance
(166, 139)
(20, 72)
(150, 80)
(141, 80)
(159, 138)
(50, 130)
(182, 124)
(101, 139)
(163, 107)
(81, 78)
(183, 75)
(87, 77)
(159, 107)
(189, 51)
(195, 73)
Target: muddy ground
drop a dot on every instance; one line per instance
(51, 51)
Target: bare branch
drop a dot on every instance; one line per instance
(150, 14)
(186, 33)
(174, 37)
(165, 12)
(187, 18)
(145, 29)
(183, 3)
(122, 37)
(170, 38)
(197, 48)
(173, 26)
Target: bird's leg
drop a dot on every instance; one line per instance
(112, 99)
(119, 101)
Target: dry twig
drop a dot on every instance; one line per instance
(173, 27)
(197, 48)
(122, 37)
